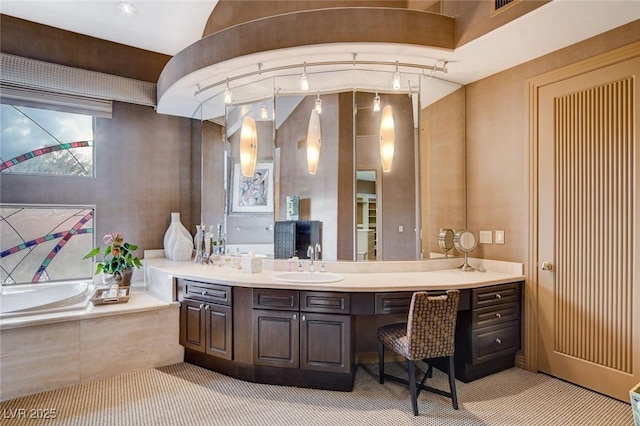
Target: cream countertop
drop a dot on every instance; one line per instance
(395, 279)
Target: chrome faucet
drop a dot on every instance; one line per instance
(311, 255)
(317, 252)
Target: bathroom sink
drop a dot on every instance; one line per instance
(308, 277)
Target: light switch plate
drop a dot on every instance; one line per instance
(486, 237)
(499, 237)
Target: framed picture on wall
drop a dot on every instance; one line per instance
(252, 194)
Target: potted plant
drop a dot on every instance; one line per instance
(118, 263)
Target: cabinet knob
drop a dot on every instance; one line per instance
(295, 316)
(206, 308)
(498, 296)
(304, 318)
(201, 306)
(498, 315)
(498, 341)
(204, 293)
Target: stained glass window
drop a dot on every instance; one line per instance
(43, 141)
(43, 243)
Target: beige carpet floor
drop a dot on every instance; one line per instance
(183, 394)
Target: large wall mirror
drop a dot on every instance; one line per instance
(366, 214)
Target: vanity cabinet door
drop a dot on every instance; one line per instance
(219, 329)
(276, 338)
(325, 342)
(192, 325)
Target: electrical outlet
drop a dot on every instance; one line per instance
(499, 237)
(400, 228)
(486, 237)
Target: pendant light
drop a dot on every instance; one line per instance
(264, 112)
(228, 96)
(376, 103)
(319, 104)
(314, 141)
(396, 79)
(248, 147)
(387, 138)
(304, 80)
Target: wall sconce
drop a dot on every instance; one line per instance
(387, 138)
(314, 141)
(396, 79)
(264, 112)
(376, 103)
(228, 96)
(304, 80)
(248, 147)
(319, 104)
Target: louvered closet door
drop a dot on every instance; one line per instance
(589, 289)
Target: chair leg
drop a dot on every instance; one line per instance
(452, 383)
(381, 361)
(412, 386)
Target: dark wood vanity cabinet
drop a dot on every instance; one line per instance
(307, 330)
(488, 335)
(206, 323)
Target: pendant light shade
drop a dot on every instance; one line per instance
(248, 147)
(313, 142)
(387, 138)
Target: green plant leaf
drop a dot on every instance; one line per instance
(99, 268)
(137, 262)
(92, 253)
(107, 251)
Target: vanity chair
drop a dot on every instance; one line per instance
(429, 333)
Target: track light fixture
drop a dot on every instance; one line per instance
(319, 104)
(304, 80)
(396, 79)
(376, 103)
(228, 96)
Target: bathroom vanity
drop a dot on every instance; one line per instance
(256, 328)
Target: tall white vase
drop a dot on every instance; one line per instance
(175, 229)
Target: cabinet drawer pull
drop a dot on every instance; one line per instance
(498, 341)
(201, 306)
(304, 318)
(498, 296)
(295, 316)
(204, 293)
(498, 315)
(206, 308)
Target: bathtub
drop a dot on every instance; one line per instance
(31, 299)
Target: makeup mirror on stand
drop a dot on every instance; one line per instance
(465, 241)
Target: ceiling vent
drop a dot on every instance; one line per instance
(500, 5)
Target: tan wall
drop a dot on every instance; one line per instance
(145, 166)
(232, 12)
(143, 173)
(442, 169)
(35, 41)
(496, 135)
(475, 18)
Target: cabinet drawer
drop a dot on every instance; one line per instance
(488, 296)
(393, 303)
(491, 315)
(320, 301)
(213, 293)
(496, 341)
(275, 299)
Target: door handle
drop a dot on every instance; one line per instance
(547, 266)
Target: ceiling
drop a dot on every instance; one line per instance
(170, 26)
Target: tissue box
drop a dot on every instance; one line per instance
(251, 265)
(635, 404)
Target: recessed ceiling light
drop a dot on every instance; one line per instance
(126, 8)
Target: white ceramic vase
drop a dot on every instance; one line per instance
(182, 248)
(176, 228)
